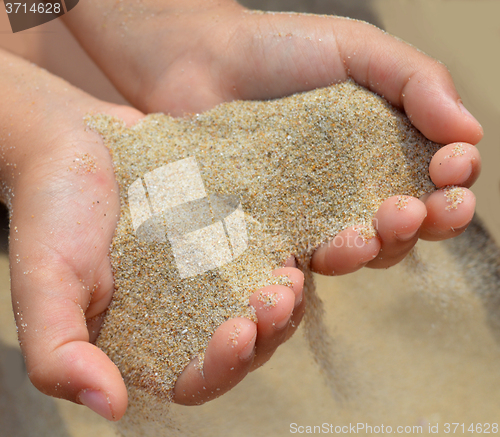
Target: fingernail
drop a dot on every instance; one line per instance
(460, 228)
(247, 351)
(467, 173)
(97, 401)
(298, 299)
(282, 323)
(406, 236)
(466, 112)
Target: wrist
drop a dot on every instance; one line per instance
(147, 41)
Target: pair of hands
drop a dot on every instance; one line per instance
(180, 59)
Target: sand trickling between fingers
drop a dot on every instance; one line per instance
(277, 178)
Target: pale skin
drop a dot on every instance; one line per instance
(187, 59)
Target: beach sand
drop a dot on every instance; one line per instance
(415, 357)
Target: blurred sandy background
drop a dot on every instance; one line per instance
(413, 359)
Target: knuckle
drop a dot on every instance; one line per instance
(39, 377)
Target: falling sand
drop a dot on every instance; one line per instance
(211, 204)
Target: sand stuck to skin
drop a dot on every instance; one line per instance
(212, 203)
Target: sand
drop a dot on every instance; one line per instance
(273, 178)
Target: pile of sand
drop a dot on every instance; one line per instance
(212, 203)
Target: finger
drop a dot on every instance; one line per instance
(455, 164)
(279, 310)
(297, 315)
(293, 53)
(236, 348)
(409, 79)
(227, 361)
(347, 252)
(297, 279)
(290, 262)
(449, 212)
(273, 307)
(398, 222)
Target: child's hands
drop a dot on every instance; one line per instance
(58, 179)
(65, 208)
(190, 56)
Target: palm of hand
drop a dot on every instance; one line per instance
(65, 207)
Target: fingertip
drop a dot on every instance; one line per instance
(455, 164)
(235, 338)
(296, 277)
(399, 217)
(471, 123)
(80, 372)
(398, 222)
(227, 361)
(274, 305)
(449, 212)
(433, 105)
(103, 377)
(97, 401)
(349, 251)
